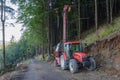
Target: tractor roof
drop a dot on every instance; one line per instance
(72, 42)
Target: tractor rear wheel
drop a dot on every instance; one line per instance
(55, 63)
(92, 65)
(73, 66)
(63, 63)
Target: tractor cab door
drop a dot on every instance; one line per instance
(68, 50)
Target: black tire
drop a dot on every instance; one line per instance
(55, 63)
(73, 66)
(92, 65)
(63, 63)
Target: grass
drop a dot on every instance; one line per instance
(40, 57)
(46, 57)
(104, 31)
(27, 61)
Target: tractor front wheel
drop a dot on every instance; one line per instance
(73, 66)
(63, 63)
(92, 64)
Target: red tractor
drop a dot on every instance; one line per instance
(69, 55)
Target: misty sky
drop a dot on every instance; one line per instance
(10, 29)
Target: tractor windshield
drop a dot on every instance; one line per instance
(69, 49)
(75, 47)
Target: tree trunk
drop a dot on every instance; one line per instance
(107, 10)
(49, 36)
(96, 18)
(111, 10)
(3, 30)
(39, 50)
(48, 27)
(43, 51)
(79, 35)
(43, 42)
(36, 51)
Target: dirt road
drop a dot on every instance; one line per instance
(38, 70)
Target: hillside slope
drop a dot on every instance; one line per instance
(105, 31)
(106, 50)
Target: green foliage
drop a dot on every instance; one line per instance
(33, 15)
(104, 31)
(16, 52)
(27, 61)
(110, 29)
(39, 20)
(39, 57)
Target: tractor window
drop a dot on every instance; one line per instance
(76, 48)
(66, 49)
(69, 49)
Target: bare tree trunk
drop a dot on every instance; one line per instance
(107, 10)
(43, 41)
(48, 43)
(36, 52)
(96, 18)
(43, 51)
(39, 50)
(79, 35)
(111, 10)
(46, 2)
(50, 32)
(43, 45)
(49, 36)
(3, 29)
(115, 7)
